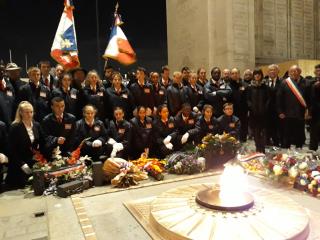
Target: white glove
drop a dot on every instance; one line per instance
(195, 109)
(169, 146)
(26, 169)
(111, 141)
(167, 140)
(3, 158)
(214, 93)
(118, 147)
(97, 143)
(184, 138)
(113, 153)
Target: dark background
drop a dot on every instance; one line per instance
(29, 26)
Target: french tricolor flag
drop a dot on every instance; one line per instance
(119, 47)
(64, 49)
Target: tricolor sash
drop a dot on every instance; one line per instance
(296, 92)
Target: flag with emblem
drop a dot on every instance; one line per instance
(64, 49)
(119, 47)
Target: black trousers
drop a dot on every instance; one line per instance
(244, 127)
(258, 127)
(273, 130)
(294, 132)
(314, 134)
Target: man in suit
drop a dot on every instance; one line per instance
(59, 129)
(46, 78)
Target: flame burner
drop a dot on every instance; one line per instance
(213, 199)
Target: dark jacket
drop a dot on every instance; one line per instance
(71, 100)
(142, 135)
(216, 95)
(288, 103)
(185, 125)
(39, 97)
(239, 98)
(3, 139)
(272, 102)
(195, 96)
(315, 101)
(21, 152)
(143, 95)
(162, 130)
(120, 132)
(203, 128)
(97, 99)
(229, 124)
(176, 96)
(160, 94)
(7, 104)
(258, 99)
(122, 99)
(52, 130)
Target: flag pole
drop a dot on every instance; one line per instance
(26, 61)
(10, 56)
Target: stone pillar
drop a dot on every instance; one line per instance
(210, 33)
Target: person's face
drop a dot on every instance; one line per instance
(59, 71)
(166, 74)
(235, 75)
(142, 113)
(273, 72)
(35, 76)
(257, 77)
(118, 115)
(247, 75)
(193, 79)
(186, 111)
(45, 69)
(177, 78)
(203, 74)
(66, 81)
(108, 72)
(164, 113)
(228, 110)
(116, 81)
(208, 113)
(14, 74)
(185, 74)
(317, 72)
(216, 74)
(155, 78)
(79, 76)
(294, 73)
(27, 114)
(93, 79)
(140, 75)
(89, 114)
(58, 108)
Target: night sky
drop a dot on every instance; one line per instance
(28, 27)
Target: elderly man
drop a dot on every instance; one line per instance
(248, 76)
(292, 107)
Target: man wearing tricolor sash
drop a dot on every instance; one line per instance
(292, 107)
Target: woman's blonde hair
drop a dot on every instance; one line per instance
(90, 73)
(22, 106)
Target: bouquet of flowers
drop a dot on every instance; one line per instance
(218, 149)
(252, 162)
(182, 163)
(153, 166)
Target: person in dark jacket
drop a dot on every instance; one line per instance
(206, 124)
(194, 93)
(160, 92)
(165, 133)
(274, 125)
(70, 95)
(3, 150)
(108, 76)
(176, 94)
(258, 97)
(229, 123)
(216, 93)
(315, 110)
(46, 78)
(119, 96)
(142, 134)
(24, 138)
(7, 99)
(142, 92)
(59, 129)
(185, 124)
(292, 107)
(165, 77)
(37, 94)
(13, 72)
(93, 132)
(95, 94)
(119, 133)
(239, 100)
(202, 77)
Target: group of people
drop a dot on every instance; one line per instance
(150, 114)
